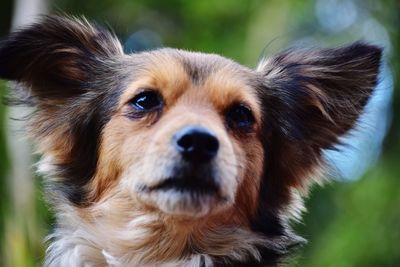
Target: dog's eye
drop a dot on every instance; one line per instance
(239, 116)
(147, 101)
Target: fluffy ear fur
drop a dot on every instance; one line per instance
(64, 66)
(311, 98)
(317, 95)
(57, 56)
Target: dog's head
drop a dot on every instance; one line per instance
(191, 136)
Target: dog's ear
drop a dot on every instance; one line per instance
(66, 67)
(310, 98)
(56, 57)
(315, 96)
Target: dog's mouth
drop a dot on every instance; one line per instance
(187, 191)
(192, 184)
(189, 196)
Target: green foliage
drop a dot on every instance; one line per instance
(355, 224)
(4, 196)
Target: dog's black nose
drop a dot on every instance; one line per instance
(196, 144)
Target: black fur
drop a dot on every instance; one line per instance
(66, 72)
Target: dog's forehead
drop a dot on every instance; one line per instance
(199, 66)
(173, 72)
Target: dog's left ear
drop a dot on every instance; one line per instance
(315, 96)
(310, 98)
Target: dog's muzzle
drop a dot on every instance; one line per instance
(193, 174)
(197, 147)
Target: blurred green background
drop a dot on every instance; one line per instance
(351, 222)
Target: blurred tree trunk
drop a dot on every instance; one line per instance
(27, 11)
(21, 229)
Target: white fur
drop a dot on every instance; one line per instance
(77, 242)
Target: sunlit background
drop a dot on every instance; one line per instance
(353, 221)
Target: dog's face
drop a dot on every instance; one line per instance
(187, 136)
(184, 135)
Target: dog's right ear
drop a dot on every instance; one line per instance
(57, 57)
(65, 67)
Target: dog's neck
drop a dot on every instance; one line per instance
(119, 235)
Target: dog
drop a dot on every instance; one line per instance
(177, 158)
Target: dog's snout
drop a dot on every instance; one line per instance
(196, 144)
